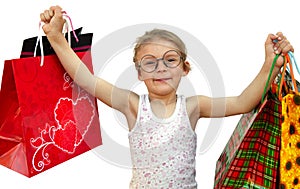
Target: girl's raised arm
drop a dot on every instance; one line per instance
(120, 99)
(251, 96)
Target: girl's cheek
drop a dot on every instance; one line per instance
(145, 76)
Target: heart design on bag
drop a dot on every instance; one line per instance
(64, 138)
(73, 119)
(81, 113)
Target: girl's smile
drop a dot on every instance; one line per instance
(162, 79)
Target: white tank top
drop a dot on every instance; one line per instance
(163, 150)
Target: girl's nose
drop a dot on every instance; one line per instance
(161, 67)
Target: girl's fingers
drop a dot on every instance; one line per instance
(56, 10)
(285, 47)
(51, 13)
(42, 17)
(47, 15)
(282, 45)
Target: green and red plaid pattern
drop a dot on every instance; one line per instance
(251, 185)
(253, 150)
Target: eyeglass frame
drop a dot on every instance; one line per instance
(158, 59)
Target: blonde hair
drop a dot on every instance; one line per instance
(160, 34)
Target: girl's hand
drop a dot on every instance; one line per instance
(277, 44)
(53, 21)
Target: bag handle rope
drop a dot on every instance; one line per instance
(269, 78)
(287, 60)
(68, 26)
(295, 88)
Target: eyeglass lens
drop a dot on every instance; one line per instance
(171, 59)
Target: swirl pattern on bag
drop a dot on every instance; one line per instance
(73, 117)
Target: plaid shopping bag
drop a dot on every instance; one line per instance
(252, 185)
(252, 152)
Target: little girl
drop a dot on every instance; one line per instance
(161, 123)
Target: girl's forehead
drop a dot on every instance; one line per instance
(156, 48)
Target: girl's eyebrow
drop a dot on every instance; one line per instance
(172, 52)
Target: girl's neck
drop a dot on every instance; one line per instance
(163, 106)
(165, 99)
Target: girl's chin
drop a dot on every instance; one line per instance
(163, 88)
(160, 85)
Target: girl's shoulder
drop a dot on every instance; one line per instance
(192, 108)
(192, 102)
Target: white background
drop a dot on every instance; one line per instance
(233, 31)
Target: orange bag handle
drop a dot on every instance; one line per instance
(287, 61)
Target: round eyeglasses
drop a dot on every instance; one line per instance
(149, 63)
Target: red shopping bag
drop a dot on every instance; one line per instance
(45, 118)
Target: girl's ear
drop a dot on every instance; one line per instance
(140, 77)
(186, 68)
